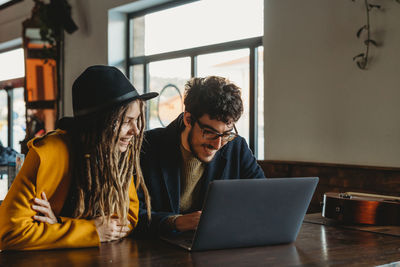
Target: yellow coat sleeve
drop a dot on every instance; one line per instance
(133, 205)
(46, 168)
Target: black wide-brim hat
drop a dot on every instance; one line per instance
(101, 87)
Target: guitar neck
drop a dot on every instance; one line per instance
(385, 197)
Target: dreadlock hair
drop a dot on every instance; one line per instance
(215, 96)
(102, 174)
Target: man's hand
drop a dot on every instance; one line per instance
(111, 230)
(188, 221)
(45, 213)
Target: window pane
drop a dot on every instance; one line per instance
(12, 64)
(197, 24)
(167, 77)
(136, 35)
(19, 118)
(136, 76)
(3, 118)
(233, 65)
(260, 154)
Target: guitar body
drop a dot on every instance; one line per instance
(353, 209)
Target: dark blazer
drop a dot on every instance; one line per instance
(161, 166)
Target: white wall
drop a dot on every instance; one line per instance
(11, 20)
(318, 105)
(89, 45)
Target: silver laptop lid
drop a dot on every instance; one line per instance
(253, 212)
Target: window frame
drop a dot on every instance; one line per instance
(9, 86)
(250, 43)
(9, 3)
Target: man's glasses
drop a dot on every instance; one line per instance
(211, 135)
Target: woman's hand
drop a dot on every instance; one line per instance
(111, 230)
(45, 213)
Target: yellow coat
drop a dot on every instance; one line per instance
(47, 169)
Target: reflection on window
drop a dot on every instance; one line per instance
(167, 77)
(233, 65)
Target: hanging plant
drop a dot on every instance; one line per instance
(362, 58)
(51, 19)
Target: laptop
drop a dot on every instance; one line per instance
(249, 212)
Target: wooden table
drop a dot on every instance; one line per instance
(316, 245)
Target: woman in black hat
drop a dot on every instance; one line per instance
(76, 187)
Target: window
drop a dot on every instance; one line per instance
(12, 103)
(171, 43)
(3, 118)
(12, 64)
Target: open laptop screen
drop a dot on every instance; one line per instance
(253, 212)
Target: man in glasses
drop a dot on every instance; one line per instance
(201, 145)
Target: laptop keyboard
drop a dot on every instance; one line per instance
(186, 237)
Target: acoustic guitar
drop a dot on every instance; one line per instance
(362, 208)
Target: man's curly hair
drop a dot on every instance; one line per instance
(215, 96)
